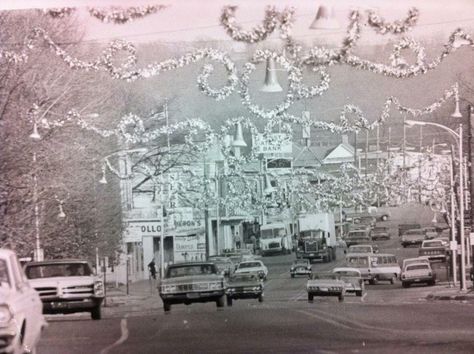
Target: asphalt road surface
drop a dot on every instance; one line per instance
(387, 319)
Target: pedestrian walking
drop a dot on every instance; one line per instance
(152, 268)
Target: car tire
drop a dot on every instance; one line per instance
(166, 306)
(310, 297)
(392, 280)
(229, 301)
(373, 281)
(341, 298)
(431, 283)
(405, 284)
(220, 301)
(260, 298)
(292, 275)
(96, 313)
(358, 292)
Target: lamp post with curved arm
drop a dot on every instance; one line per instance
(458, 138)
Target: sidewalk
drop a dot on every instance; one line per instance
(142, 296)
(450, 292)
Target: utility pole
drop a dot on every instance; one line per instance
(471, 173)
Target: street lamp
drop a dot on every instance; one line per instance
(458, 138)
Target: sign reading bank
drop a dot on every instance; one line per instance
(136, 230)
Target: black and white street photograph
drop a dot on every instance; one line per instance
(236, 176)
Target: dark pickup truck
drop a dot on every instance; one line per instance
(402, 228)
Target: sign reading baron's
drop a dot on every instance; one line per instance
(135, 231)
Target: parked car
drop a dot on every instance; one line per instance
(325, 284)
(433, 250)
(418, 273)
(412, 237)
(224, 264)
(408, 261)
(255, 266)
(430, 232)
(380, 233)
(21, 310)
(300, 267)
(67, 286)
(402, 228)
(244, 286)
(352, 279)
(191, 282)
(363, 249)
(357, 237)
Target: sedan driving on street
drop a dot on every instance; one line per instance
(325, 284)
(300, 267)
(244, 286)
(352, 279)
(254, 266)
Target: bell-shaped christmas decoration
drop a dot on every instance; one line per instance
(324, 20)
(239, 137)
(271, 80)
(268, 186)
(35, 134)
(61, 214)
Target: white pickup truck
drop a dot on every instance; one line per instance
(67, 286)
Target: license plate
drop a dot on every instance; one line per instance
(192, 295)
(323, 289)
(417, 280)
(311, 255)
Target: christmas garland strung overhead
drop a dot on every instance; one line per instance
(397, 27)
(118, 15)
(285, 19)
(59, 12)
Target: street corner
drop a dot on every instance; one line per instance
(451, 294)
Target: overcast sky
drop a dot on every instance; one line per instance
(190, 20)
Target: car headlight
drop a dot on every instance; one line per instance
(99, 288)
(168, 289)
(257, 288)
(216, 286)
(230, 290)
(5, 314)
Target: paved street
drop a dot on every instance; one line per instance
(387, 319)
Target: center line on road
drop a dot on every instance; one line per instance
(123, 336)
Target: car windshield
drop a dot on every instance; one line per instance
(300, 262)
(433, 244)
(195, 269)
(347, 273)
(243, 277)
(4, 278)
(36, 271)
(417, 267)
(324, 276)
(360, 249)
(414, 232)
(358, 261)
(272, 233)
(249, 265)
